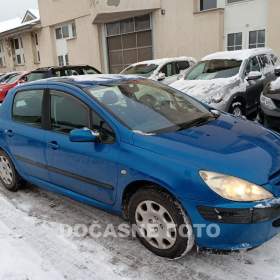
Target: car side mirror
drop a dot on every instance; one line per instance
(277, 71)
(161, 76)
(84, 135)
(254, 75)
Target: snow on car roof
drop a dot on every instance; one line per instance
(162, 61)
(237, 55)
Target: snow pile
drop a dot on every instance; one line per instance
(237, 55)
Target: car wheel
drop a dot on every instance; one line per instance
(161, 224)
(237, 109)
(8, 174)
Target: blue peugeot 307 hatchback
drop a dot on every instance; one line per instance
(179, 171)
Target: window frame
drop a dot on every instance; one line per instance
(43, 109)
(257, 44)
(235, 46)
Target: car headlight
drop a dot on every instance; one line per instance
(267, 102)
(233, 188)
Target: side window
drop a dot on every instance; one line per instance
(67, 113)
(169, 69)
(181, 66)
(264, 61)
(27, 107)
(107, 133)
(274, 59)
(253, 65)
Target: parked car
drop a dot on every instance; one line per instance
(50, 72)
(231, 81)
(7, 76)
(10, 83)
(165, 70)
(143, 150)
(270, 103)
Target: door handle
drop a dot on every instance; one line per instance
(9, 132)
(53, 145)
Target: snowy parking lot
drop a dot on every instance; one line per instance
(32, 247)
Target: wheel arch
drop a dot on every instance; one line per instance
(134, 186)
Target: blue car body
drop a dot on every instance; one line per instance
(93, 173)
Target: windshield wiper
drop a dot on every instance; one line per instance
(197, 122)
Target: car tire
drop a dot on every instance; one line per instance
(157, 209)
(9, 177)
(237, 109)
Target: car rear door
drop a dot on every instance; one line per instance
(25, 135)
(88, 169)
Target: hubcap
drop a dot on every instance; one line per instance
(6, 172)
(156, 225)
(237, 112)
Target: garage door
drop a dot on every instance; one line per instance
(129, 41)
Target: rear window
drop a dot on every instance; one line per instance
(35, 76)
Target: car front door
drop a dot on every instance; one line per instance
(88, 169)
(254, 88)
(26, 136)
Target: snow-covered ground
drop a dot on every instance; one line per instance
(32, 247)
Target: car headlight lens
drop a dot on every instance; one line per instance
(267, 102)
(233, 188)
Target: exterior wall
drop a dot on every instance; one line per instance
(245, 16)
(273, 25)
(184, 31)
(28, 48)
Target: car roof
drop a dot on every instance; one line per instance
(237, 55)
(163, 61)
(44, 69)
(86, 80)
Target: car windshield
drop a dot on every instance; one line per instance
(214, 69)
(36, 76)
(13, 79)
(148, 107)
(144, 70)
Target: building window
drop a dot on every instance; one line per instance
(18, 52)
(66, 31)
(63, 60)
(234, 41)
(2, 55)
(129, 41)
(257, 39)
(37, 56)
(208, 4)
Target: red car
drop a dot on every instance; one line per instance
(11, 83)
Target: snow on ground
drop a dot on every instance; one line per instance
(32, 247)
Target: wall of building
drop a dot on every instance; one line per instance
(183, 31)
(245, 16)
(273, 25)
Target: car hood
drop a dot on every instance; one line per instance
(227, 145)
(204, 90)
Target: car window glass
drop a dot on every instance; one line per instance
(36, 76)
(168, 69)
(253, 65)
(27, 107)
(264, 61)
(274, 59)
(67, 113)
(181, 66)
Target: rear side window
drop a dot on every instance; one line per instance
(67, 113)
(264, 61)
(27, 107)
(169, 69)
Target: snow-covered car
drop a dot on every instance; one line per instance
(230, 81)
(165, 70)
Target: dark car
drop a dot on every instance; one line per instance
(270, 103)
(50, 72)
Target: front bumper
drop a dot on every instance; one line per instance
(234, 226)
